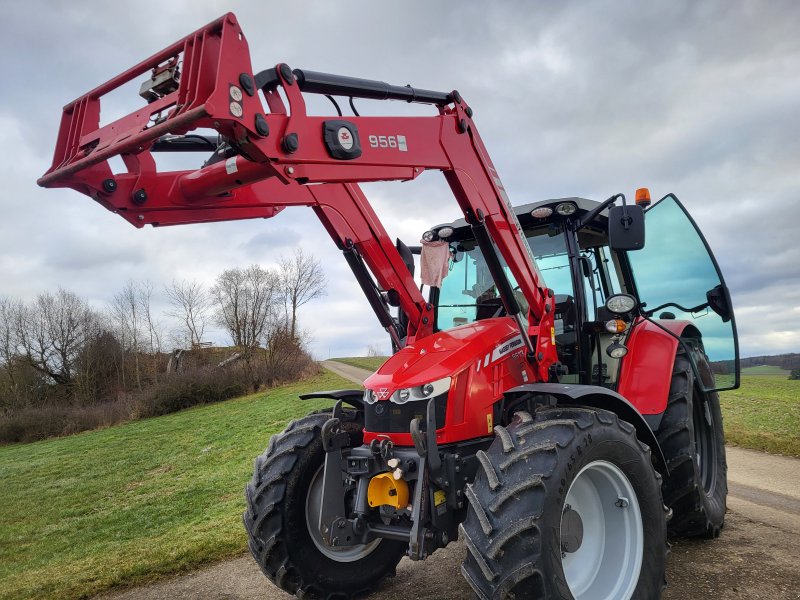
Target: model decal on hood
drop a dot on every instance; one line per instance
(500, 351)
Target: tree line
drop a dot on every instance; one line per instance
(58, 351)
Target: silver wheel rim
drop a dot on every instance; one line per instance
(608, 562)
(313, 510)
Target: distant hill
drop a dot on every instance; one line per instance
(765, 370)
(782, 361)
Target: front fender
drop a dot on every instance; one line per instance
(646, 371)
(594, 396)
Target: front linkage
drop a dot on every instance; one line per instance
(419, 491)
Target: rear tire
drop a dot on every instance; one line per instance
(566, 505)
(693, 443)
(282, 501)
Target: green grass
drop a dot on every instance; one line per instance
(765, 370)
(371, 363)
(128, 504)
(764, 414)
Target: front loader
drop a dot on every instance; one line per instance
(552, 398)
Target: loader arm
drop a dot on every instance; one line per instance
(283, 157)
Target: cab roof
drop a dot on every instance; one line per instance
(523, 212)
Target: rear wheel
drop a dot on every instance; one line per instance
(284, 500)
(566, 505)
(693, 444)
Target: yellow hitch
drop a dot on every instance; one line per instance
(384, 489)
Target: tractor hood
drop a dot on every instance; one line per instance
(442, 354)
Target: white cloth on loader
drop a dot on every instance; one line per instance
(434, 262)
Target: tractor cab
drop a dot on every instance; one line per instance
(584, 270)
(579, 267)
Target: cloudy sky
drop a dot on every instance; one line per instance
(571, 98)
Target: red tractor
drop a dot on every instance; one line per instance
(552, 399)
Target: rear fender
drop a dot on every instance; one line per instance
(646, 371)
(593, 396)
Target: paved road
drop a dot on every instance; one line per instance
(756, 557)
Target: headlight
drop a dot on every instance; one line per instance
(370, 397)
(422, 392)
(445, 232)
(616, 350)
(565, 209)
(619, 304)
(542, 212)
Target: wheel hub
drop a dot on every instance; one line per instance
(313, 510)
(571, 530)
(602, 537)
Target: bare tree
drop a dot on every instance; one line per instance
(190, 304)
(10, 312)
(245, 301)
(302, 280)
(53, 331)
(153, 327)
(127, 313)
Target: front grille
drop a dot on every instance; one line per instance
(387, 417)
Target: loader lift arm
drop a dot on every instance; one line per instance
(206, 81)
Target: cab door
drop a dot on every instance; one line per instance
(677, 277)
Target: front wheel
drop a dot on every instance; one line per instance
(284, 500)
(566, 505)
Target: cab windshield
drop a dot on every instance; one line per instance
(469, 294)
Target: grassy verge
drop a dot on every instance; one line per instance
(371, 363)
(124, 505)
(764, 414)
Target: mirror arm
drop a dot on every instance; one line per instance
(590, 216)
(699, 307)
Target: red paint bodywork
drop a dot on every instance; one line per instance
(477, 382)
(646, 371)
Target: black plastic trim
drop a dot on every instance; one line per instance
(354, 398)
(330, 133)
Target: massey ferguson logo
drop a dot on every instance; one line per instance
(383, 393)
(345, 138)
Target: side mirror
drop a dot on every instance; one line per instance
(626, 227)
(406, 255)
(719, 301)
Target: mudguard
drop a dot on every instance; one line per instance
(646, 371)
(354, 398)
(599, 397)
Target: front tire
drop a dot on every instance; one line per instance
(282, 510)
(566, 505)
(693, 443)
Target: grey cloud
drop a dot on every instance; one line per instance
(571, 99)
